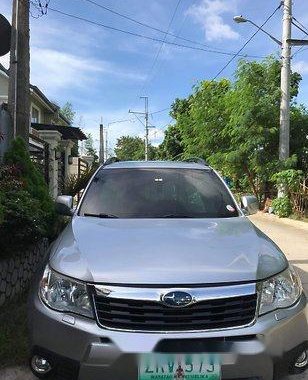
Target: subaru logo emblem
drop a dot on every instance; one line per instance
(177, 299)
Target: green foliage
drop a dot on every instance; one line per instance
(68, 112)
(32, 179)
(130, 148)
(89, 146)
(235, 126)
(172, 146)
(282, 207)
(288, 179)
(26, 210)
(75, 183)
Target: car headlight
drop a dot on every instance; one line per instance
(62, 293)
(280, 291)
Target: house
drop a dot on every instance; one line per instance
(52, 138)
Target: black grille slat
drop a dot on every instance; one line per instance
(184, 315)
(155, 316)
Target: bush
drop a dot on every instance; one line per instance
(32, 179)
(288, 179)
(282, 207)
(75, 184)
(27, 211)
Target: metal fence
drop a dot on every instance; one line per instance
(300, 199)
(83, 167)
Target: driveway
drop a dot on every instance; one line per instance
(290, 236)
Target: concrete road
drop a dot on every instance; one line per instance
(290, 236)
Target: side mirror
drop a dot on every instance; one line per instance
(64, 205)
(249, 204)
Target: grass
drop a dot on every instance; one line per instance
(13, 333)
(298, 217)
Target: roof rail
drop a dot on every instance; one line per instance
(197, 160)
(110, 161)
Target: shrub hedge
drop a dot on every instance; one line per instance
(27, 211)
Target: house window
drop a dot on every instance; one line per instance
(35, 115)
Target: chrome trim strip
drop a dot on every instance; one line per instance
(155, 295)
(198, 294)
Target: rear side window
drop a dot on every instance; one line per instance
(158, 193)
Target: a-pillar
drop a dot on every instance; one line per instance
(52, 138)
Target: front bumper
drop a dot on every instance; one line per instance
(261, 351)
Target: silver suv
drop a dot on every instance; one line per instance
(160, 275)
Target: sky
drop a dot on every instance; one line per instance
(103, 72)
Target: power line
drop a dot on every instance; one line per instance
(300, 28)
(161, 46)
(246, 43)
(168, 33)
(160, 111)
(304, 30)
(148, 37)
(299, 23)
(155, 72)
(235, 55)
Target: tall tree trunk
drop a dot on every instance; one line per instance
(251, 181)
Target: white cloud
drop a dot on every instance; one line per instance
(54, 70)
(209, 15)
(300, 67)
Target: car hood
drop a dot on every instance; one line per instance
(165, 251)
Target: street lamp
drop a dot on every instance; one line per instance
(286, 47)
(284, 124)
(241, 19)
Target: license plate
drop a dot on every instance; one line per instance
(179, 367)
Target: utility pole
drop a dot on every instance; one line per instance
(106, 144)
(146, 125)
(19, 81)
(286, 56)
(284, 134)
(101, 143)
(146, 118)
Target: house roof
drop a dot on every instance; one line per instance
(42, 96)
(68, 133)
(51, 105)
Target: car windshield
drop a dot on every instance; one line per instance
(157, 193)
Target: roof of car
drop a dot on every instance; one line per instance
(155, 164)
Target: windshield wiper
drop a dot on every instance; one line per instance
(103, 216)
(179, 216)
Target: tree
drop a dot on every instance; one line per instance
(68, 112)
(172, 146)
(235, 126)
(89, 147)
(130, 148)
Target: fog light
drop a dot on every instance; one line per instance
(40, 365)
(302, 360)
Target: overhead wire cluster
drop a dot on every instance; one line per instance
(39, 8)
(189, 43)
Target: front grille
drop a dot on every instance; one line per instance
(126, 314)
